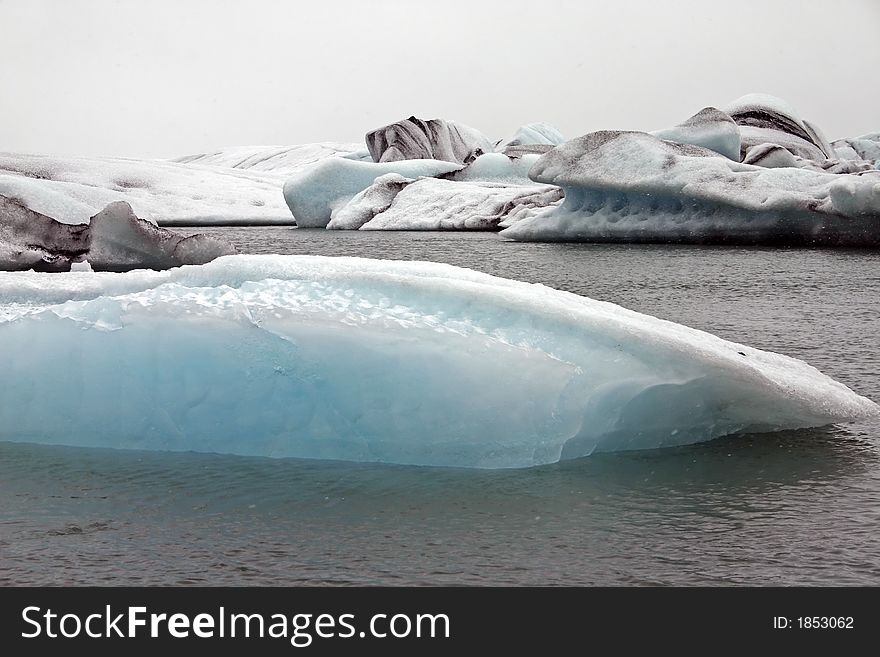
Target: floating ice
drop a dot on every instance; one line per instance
(710, 128)
(633, 187)
(498, 167)
(435, 139)
(114, 240)
(30, 240)
(433, 204)
(367, 204)
(73, 189)
(866, 147)
(774, 156)
(120, 241)
(532, 134)
(316, 193)
(368, 360)
(285, 160)
(765, 119)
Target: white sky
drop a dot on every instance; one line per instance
(156, 78)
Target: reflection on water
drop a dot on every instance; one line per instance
(800, 507)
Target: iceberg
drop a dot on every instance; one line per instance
(435, 139)
(30, 240)
(866, 147)
(492, 191)
(436, 204)
(366, 204)
(498, 168)
(120, 241)
(634, 187)
(533, 134)
(113, 240)
(73, 189)
(371, 360)
(774, 156)
(316, 193)
(765, 119)
(285, 160)
(710, 128)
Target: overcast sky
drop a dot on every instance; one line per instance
(157, 78)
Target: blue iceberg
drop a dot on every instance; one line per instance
(371, 360)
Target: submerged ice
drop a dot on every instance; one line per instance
(368, 360)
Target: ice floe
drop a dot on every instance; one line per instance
(370, 360)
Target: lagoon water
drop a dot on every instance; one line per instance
(800, 507)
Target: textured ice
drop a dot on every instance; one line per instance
(493, 193)
(368, 360)
(316, 193)
(633, 187)
(285, 160)
(368, 203)
(774, 156)
(434, 139)
(73, 189)
(114, 240)
(120, 241)
(435, 204)
(531, 134)
(30, 240)
(866, 147)
(498, 167)
(710, 128)
(765, 119)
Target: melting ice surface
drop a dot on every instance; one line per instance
(371, 360)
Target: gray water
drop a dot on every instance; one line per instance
(800, 507)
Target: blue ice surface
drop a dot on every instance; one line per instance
(370, 360)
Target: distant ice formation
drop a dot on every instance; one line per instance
(532, 134)
(114, 240)
(866, 147)
(765, 119)
(435, 139)
(710, 128)
(72, 189)
(634, 187)
(370, 360)
(120, 241)
(315, 194)
(31, 240)
(435, 204)
(285, 160)
(753, 172)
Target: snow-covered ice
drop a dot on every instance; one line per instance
(531, 134)
(498, 168)
(634, 187)
(765, 119)
(435, 204)
(434, 139)
(494, 190)
(285, 160)
(73, 189)
(316, 193)
(866, 147)
(710, 128)
(369, 360)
